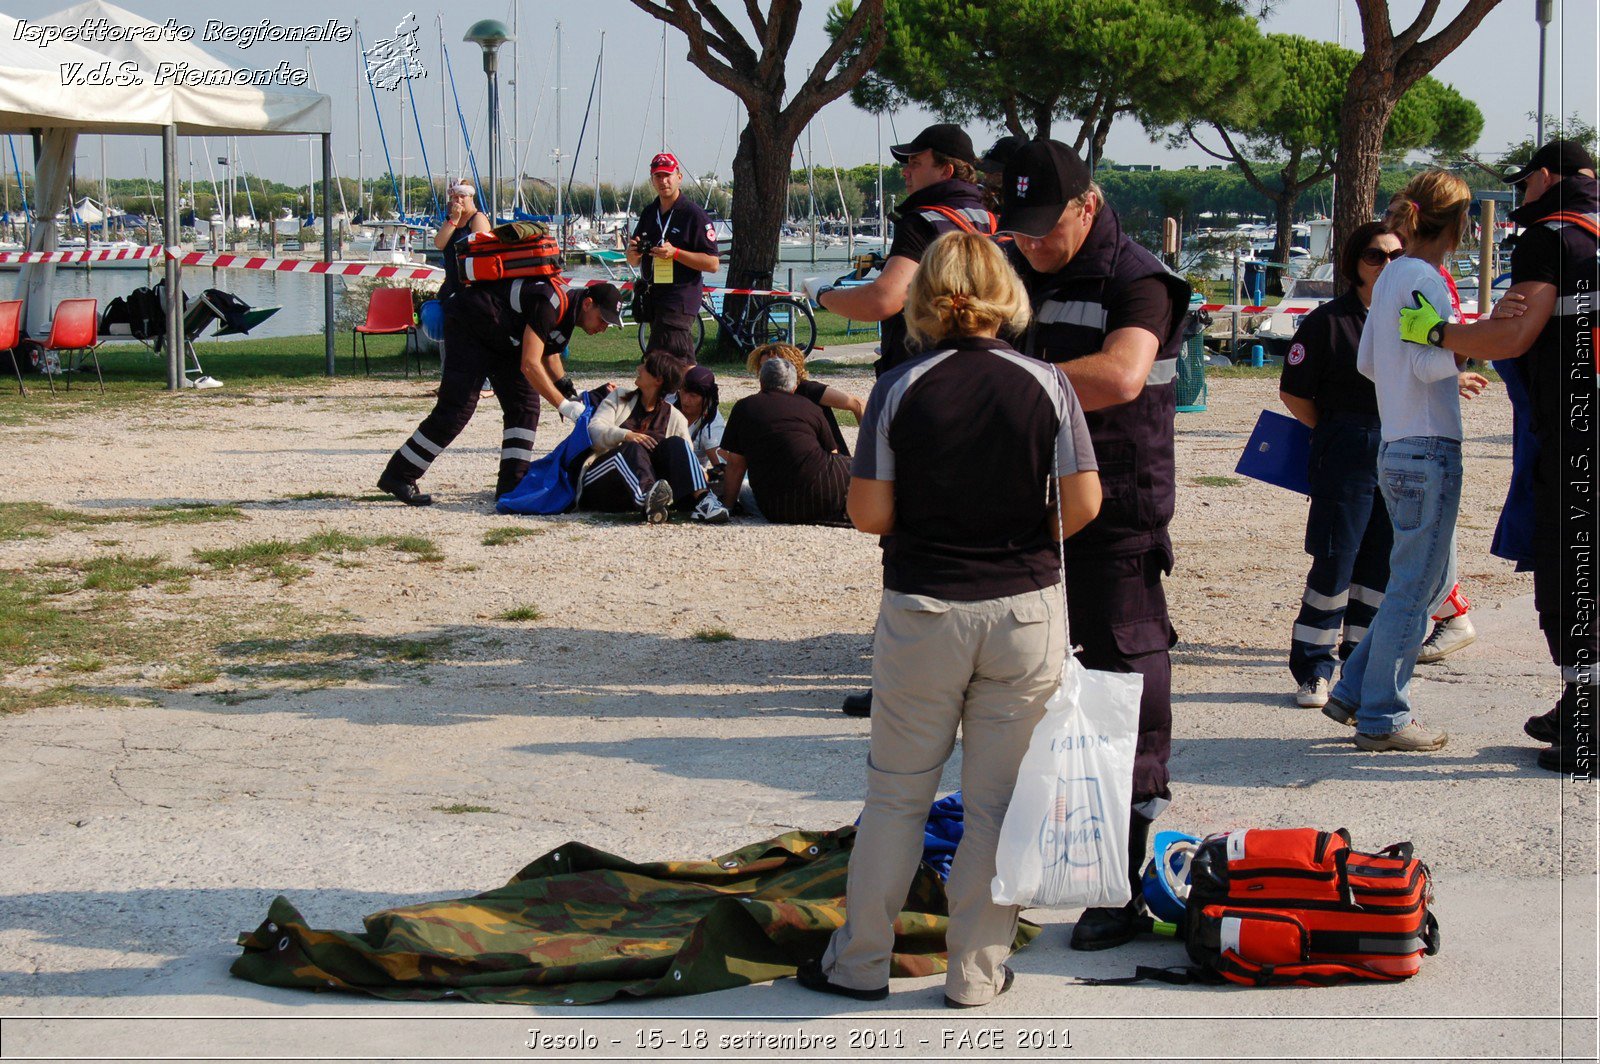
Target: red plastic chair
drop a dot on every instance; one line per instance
(11, 336)
(76, 330)
(389, 313)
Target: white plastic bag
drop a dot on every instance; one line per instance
(1064, 842)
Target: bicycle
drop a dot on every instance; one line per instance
(764, 319)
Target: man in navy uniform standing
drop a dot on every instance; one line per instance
(677, 245)
(1112, 315)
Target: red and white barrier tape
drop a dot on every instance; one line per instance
(338, 269)
(224, 261)
(1292, 310)
(92, 255)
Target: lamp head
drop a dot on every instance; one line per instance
(488, 34)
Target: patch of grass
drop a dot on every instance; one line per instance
(713, 635)
(84, 663)
(522, 613)
(328, 660)
(273, 554)
(36, 520)
(459, 808)
(1244, 372)
(13, 700)
(238, 698)
(315, 496)
(188, 674)
(499, 537)
(190, 513)
(123, 572)
(1218, 482)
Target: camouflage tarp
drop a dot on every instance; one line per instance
(580, 926)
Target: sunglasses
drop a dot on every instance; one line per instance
(1378, 256)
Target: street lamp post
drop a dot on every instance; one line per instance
(1542, 13)
(489, 34)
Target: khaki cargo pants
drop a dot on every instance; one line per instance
(987, 667)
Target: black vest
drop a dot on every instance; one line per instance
(958, 198)
(1133, 441)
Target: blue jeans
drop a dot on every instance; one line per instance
(1420, 477)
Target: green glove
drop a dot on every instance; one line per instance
(1420, 323)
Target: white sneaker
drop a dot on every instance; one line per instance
(710, 510)
(1313, 694)
(1448, 636)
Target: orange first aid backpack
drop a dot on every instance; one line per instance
(1300, 907)
(516, 249)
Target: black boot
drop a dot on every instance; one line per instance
(404, 490)
(1566, 755)
(1101, 928)
(858, 705)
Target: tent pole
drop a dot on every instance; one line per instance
(171, 238)
(327, 248)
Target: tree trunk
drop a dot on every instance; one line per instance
(1283, 200)
(760, 199)
(1368, 103)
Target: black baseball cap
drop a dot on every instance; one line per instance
(1564, 157)
(608, 299)
(994, 160)
(1042, 177)
(946, 138)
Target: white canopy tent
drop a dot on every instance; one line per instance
(33, 100)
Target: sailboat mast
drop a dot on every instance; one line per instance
(883, 226)
(516, 106)
(361, 183)
(811, 191)
(557, 152)
(663, 88)
(599, 113)
(444, 104)
(400, 100)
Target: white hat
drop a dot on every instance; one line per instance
(463, 187)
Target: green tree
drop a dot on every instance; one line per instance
(1292, 124)
(1573, 127)
(1390, 64)
(1025, 64)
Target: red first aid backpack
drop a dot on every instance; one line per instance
(1301, 907)
(516, 249)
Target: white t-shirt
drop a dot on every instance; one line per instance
(1416, 383)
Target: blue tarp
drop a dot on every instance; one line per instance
(547, 487)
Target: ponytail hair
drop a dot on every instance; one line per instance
(963, 287)
(1432, 203)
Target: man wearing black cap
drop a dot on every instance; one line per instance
(1551, 348)
(942, 195)
(676, 243)
(513, 332)
(1112, 315)
(992, 165)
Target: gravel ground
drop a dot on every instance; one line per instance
(139, 838)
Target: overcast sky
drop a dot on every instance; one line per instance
(1496, 68)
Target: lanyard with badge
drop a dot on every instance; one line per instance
(660, 268)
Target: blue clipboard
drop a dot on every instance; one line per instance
(1279, 453)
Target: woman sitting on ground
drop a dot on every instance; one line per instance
(641, 457)
(699, 403)
(830, 399)
(796, 471)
